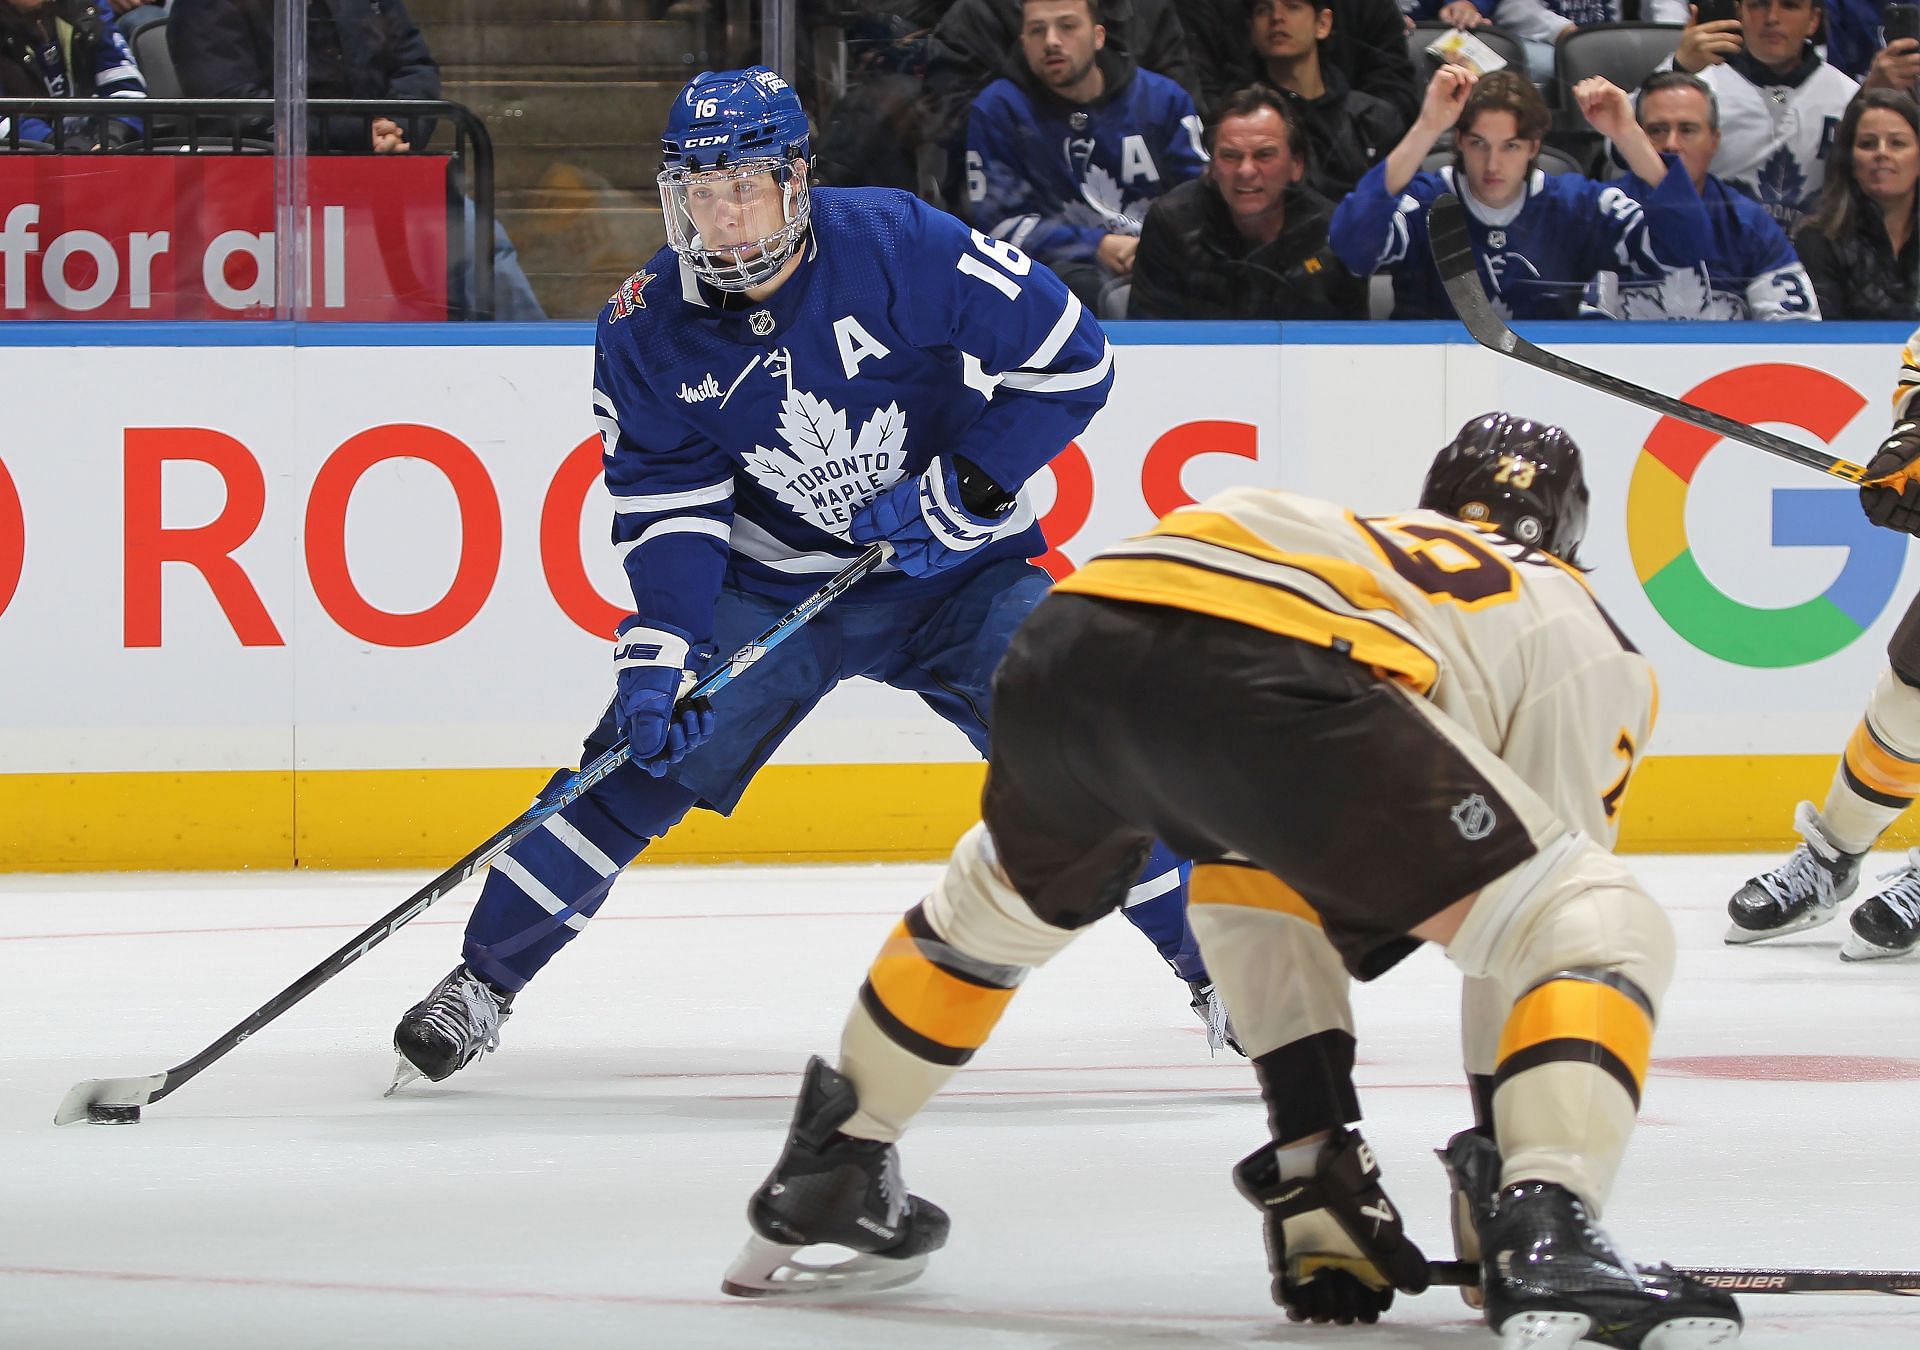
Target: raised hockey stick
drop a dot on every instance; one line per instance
(118, 1100)
(1741, 1280)
(1459, 273)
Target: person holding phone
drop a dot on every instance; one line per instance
(1779, 99)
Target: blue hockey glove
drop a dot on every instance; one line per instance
(935, 520)
(653, 665)
(1891, 493)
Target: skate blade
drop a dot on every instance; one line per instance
(1692, 1333)
(1813, 918)
(1543, 1329)
(767, 1269)
(1857, 948)
(403, 1074)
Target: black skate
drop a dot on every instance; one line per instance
(832, 1188)
(1213, 1016)
(1472, 1161)
(1888, 924)
(1801, 892)
(447, 1030)
(1552, 1277)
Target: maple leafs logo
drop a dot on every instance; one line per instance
(824, 473)
(1780, 181)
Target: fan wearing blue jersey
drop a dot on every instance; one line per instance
(1752, 271)
(1538, 238)
(1064, 159)
(782, 384)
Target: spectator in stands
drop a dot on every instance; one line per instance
(1466, 15)
(1064, 159)
(1539, 239)
(1851, 32)
(1751, 269)
(1248, 239)
(1368, 45)
(1542, 25)
(67, 49)
(355, 49)
(1345, 130)
(1778, 100)
(1858, 244)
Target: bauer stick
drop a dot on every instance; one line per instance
(1737, 1280)
(1459, 273)
(118, 1100)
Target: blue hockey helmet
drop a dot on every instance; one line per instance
(1523, 478)
(734, 176)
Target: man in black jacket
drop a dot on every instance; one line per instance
(1247, 240)
(1368, 45)
(1345, 129)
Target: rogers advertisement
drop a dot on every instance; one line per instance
(192, 237)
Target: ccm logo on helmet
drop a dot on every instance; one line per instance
(695, 142)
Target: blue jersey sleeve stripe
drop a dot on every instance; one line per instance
(1062, 330)
(1040, 383)
(649, 502)
(719, 529)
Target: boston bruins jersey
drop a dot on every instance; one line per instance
(1909, 381)
(1506, 640)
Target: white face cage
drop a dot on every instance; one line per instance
(736, 227)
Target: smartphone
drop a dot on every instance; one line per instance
(1900, 21)
(1712, 10)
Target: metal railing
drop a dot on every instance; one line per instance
(236, 126)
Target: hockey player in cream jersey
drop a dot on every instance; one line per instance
(1878, 775)
(1322, 682)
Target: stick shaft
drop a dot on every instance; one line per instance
(1743, 1279)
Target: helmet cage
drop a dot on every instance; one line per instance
(740, 266)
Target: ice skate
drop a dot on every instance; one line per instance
(1212, 1013)
(456, 1023)
(1801, 892)
(1552, 1277)
(1887, 924)
(1472, 1161)
(831, 1188)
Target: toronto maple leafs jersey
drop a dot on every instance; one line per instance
(741, 436)
(1776, 131)
(1537, 255)
(1751, 270)
(1055, 177)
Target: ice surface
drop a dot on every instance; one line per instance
(586, 1185)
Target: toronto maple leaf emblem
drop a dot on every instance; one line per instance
(1109, 202)
(824, 473)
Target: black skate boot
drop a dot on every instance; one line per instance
(830, 1187)
(451, 1027)
(1551, 1277)
(1213, 1016)
(1887, 924)
(1472, 1161)
(1801, 892)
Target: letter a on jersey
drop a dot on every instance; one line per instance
(856, 345)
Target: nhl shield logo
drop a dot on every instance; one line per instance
(1473, 818)
(761, 322)
(631, 295)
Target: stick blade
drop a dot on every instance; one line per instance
(107, 1092)
(1459, 272)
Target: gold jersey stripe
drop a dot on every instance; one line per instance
(1354, 582)
(928, 1001)
(1880, 768)
(1257, 604)
(1585, 1011)
(1251, 887)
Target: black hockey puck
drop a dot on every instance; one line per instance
(102, 1113)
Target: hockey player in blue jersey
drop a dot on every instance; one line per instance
(781, 385)
(1539, 238)
(1064, 160)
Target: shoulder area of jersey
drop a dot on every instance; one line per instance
(646, 289)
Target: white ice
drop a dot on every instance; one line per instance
(586, 1185)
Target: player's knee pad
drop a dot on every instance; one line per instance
(1281, 980)
(1883, 754)
(976, 911)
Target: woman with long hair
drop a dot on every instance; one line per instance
(1858, 244)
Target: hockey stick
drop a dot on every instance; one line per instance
(1459, 273)
(1735, 1280)
(118, 1100)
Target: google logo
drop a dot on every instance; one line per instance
(1692, 605)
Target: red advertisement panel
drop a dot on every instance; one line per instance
(178, 236)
